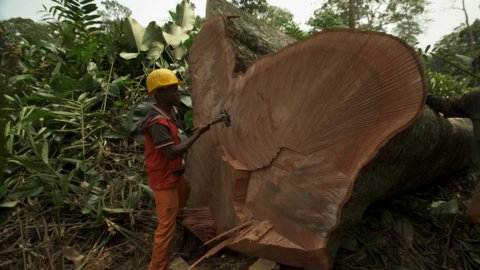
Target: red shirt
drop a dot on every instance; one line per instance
(160, 170)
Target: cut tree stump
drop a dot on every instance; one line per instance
(321, 129)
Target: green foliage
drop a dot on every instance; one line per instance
(251, 6)
(443, 84)
(149, 40)
(325, 19)
(398, 17)
(448, 67)
(446, 85)
(282, 20)
(72, 105)
(277, 17)
(460, 41)
(20, 30)
(46, 120)
(294, 31)
(114, 11)
(454, 53)
(168, 41)
(405, 16)
(79, 16)
(473, 248)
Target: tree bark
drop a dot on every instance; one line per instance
(351, 14)
(320, 130)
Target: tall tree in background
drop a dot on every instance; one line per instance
(282, 19)
(251, 6)
(400, 17)
(277, 17)
(324, 19)
(454, 53)
(468, 29)
(405, 16)
(351, 14)
(114, 11)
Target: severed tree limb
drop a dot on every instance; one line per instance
(320, 130)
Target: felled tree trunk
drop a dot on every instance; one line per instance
(320, 130)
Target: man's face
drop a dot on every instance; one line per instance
(170, 94)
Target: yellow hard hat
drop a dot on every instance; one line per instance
(160, 78)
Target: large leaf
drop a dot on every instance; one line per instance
(89, 8)
(128, 56)
(30, 189)
(35, 115)
(132, 200)
(20, 78)
(153, 34)
(136, 115)
(9, 144)
(148, 39)
(179, 52)
(156, 51)
(175, 34)
(114, 134)
(30, 164)
(62, 84)
(117, 210)
(57, 197)
(473, 248)
(136, 32)
(9, 204)
(90, 206)
(443, 208)
(185, 16)
(45, 151)
(186, 100)
(144, 38)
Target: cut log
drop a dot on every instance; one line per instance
(320, 130)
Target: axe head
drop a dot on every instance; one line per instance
(225, 117)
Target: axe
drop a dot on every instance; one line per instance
(224, 117)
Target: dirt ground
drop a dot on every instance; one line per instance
(403, 233)
(420, 231)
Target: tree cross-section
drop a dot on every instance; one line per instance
(321, 128)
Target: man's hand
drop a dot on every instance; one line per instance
(203, 128)
(435, 102)
(173, 151)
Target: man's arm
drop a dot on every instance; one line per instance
(435, 102)
(450, 107)
(172, 151)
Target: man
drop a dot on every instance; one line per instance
(163, 152)
(468, 106)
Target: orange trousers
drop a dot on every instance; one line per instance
(167, 204)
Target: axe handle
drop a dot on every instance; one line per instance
(219, 120)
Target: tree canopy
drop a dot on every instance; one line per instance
(251, 6)
(403, 18)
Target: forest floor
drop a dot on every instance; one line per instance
(419, 231)
(423, 230)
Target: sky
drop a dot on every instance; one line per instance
(445, 15)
